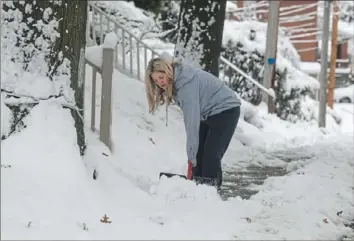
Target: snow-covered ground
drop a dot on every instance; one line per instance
(48, 191)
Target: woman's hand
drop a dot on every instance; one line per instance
(189, 171)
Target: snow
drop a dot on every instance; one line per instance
(344, 92)
(310, 67)
(314, 68)
(346, 110)
(110, 40)
(49, 188)
(29, 85)
(94, 54)
(346, 29)
(230, 6)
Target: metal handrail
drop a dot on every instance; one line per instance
(238, 70)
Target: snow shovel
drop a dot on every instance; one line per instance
(189, 173)
(198, 180)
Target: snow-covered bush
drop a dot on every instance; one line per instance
(244, 45)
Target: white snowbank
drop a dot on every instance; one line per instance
(46, 185)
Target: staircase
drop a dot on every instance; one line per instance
(132, 55)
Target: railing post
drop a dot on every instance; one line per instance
(106, 96)
(93, 100)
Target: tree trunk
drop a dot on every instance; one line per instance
(72, 43)
(201, 25)
(72, 16)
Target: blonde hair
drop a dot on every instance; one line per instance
(155, 95)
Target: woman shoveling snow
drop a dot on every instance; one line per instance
(211, 111)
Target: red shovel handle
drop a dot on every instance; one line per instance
(189, 172)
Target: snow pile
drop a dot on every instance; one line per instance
(46, 161)
(327, 178)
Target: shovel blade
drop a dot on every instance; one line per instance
(169, 175)
(198, 180)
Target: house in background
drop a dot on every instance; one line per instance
(300, 18)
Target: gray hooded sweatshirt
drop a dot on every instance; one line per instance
(199, 94)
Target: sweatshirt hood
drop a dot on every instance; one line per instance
(183, 74)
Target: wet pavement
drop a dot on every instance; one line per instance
(244, 181)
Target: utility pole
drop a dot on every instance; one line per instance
(332, 70)
(324, 65)
(270, 52)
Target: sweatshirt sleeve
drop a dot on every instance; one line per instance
(189, 103)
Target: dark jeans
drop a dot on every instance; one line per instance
(214, 138)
